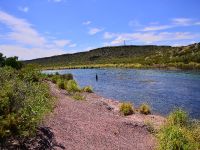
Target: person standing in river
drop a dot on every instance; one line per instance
(96, 77)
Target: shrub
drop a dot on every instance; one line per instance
(126, 109)
(23, 103)
(30, 74)
(88, 89)
(175, 138)
(195, 130)
(60, 84)
(178, 117)
(54, 79)
(67, 76)
(145, 109)
(78, 96)
(72, 86)
(179, 133)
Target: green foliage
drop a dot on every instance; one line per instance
(72, 86)
(23, 102)
(10, 61)
(145, 109)
(88, 89)
(185, 57)
(68, 76)
(126, 109)
(78, 96)
(179, 133)
(60, 84)
(54, 79)
(178, 118)
(2, 60)
(176, 138)
(13, 62)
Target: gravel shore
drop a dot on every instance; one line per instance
(95, 124)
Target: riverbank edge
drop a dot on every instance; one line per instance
(180, 66)
(114, 105)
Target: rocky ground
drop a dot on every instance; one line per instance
(96, 124)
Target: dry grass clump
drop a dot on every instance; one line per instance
(145, 109)
(126, 109)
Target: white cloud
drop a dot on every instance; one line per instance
(197, 23)
(24, 9)
(150, 37)
(108, 35)
(182, 21)
(21, 30)
(62, 43)
(87, 22)
(94, 31)
(28, 53)
(155, 28)
(26, 42)
(176, 22)
(72, 45)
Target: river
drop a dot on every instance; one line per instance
(163, 90)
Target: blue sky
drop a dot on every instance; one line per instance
(39, 28)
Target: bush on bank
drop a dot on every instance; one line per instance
(24, 100)
(179, 133)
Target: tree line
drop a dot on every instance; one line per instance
(10, 61)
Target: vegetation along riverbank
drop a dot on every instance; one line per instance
(40, 111)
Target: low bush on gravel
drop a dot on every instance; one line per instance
(72, 86)
(60, 84)
(88, 89)
(54, 78)
(126, 109)
(145, 109)
(78, 96)
(179, 133)
(24, 100)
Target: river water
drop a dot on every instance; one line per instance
(163, 90)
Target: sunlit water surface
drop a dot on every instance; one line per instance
(163, 90)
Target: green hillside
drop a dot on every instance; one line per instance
(185, 57)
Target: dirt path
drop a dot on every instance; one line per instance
(90, 125)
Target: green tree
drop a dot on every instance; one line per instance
(2, 60)
(13, 62)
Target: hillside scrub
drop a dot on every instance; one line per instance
(24, 100)
(148, 56)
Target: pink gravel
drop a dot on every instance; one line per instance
(95, 124)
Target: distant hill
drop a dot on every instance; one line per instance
(148, 55)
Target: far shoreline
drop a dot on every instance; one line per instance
(124, 66)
